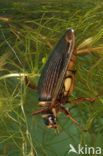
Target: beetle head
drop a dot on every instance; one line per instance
(51, 121)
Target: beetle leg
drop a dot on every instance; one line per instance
(82, 99)
(86, 98)
(45, 109)
(67, 113)
(30, 85)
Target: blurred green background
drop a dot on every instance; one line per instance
(29, 30)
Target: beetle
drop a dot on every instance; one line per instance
(57, 80)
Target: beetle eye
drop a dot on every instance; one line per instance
(52, 120)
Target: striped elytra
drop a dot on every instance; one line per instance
(57, 77)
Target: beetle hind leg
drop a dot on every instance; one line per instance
(67, 113)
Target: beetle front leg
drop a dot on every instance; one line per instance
(67, 113)
(29, 84)
(46, 109)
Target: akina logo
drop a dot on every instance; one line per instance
(84, 150)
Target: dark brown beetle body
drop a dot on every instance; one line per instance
(57, 78)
